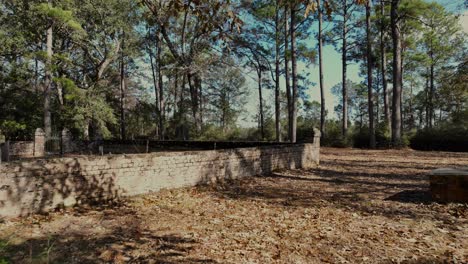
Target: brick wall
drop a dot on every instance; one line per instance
(40, 185)
(22, 149)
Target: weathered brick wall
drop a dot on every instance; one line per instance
(21, 149)
(40, 185)
(25, 149)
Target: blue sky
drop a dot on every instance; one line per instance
(332, 74)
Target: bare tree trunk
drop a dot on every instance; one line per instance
(260, 99)
(36, 75)
(294, 74)
(162, 111)
(344, 73)
(431, 90)
(370, 94)
(194, 99)
(48, 82)
(377, 91)
(182, 122)
(410, 110)
(277, 73)
(384, 67)
(426, 91)
(397, 78)
(286, 69)
(155, 84)
(200, 96)
(176, 87)
(402, 110)
(122, 90)
(322, 93)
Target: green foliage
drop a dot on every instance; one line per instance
(3, 250)
(85, 107)
(441, 139)
(11, 128)
(360, 137)
(91, 39)
(333, 136)
(59, 15)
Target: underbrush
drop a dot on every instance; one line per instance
(450, 138)
(441, 139)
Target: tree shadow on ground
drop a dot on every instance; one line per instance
(412, 196)
(129, 241)
(388, 194)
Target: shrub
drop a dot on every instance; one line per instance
(446, 139)
(360, 138)
(13, 130)
(333, 137)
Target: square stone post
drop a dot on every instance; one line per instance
(317, 136)
(39, 143)
(67, 144)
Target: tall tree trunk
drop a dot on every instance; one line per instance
(260, 99)
(155, 85)
(402, 110)
(397, 75)
(162, 111)
(344, 72)
(122, 90)
(370, 93)
(277, 73)
(182, 122)
(377, 98)
(48, 81)
(191, 78)
(36, 75)
(200, 96)
(320, 48)
(294, 75)
(431, 90)
(427, 105)
(176, 87)
(410, 110)
(383, 54)
(286, 70)
(156, 91)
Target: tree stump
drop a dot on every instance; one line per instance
(449, 185)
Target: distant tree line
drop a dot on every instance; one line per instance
(180, 69)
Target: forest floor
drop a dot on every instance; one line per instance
(359, 206)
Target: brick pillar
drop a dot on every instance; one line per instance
(317, 136)
(39, 143)
(67, 144)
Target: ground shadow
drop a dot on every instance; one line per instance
(127, 242)
(390, 194)
(412, 196)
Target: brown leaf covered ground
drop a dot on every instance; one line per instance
(359, 206)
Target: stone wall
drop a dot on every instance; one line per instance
(43, 184)
(24, 149)
(21, 149)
